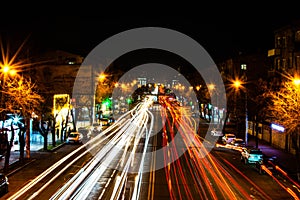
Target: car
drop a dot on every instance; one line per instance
(228, 137)
(107, 121)
(3, 183)
(216, 132)
(74, 137)
(251, 155)
(238, 142)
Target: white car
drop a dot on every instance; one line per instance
(216, 132)
(228, 137)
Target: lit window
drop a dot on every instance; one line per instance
(243, 67)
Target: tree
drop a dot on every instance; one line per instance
(18, 95)
(21, 96)
(46, 122)
(283, 108)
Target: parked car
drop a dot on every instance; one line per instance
(238, 142)
(228, 137)
(3, 184)
(74, 137)
(216, 132)
(107, 121)
(251, 155)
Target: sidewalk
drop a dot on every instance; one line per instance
(15, 153)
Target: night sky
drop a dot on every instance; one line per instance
(221, 34)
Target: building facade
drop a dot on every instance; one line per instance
(285, 64)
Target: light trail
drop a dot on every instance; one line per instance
(152, 170)
(128, 137)
(140, 171)
(289, 190)
(285, 174)
(132, 131)
(97, 140)
(206, 173)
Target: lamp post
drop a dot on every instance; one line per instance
(238, 85)
(6, 70)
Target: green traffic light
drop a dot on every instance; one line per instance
(107, 102)
(129, 101)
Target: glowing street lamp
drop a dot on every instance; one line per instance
(211, 87)
(296, 81)
(102, 77)
(237, 84)
(6, 70)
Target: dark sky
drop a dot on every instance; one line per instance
(222, 34)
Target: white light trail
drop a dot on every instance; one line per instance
(123, 145)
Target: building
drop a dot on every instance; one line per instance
(54, 73)
(285, 56)
(248, 68)
(285, 61)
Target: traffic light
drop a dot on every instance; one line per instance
(129, 100)
(107, 102)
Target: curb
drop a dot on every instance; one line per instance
(57, 147)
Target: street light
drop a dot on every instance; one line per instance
(238, 85)
(6, 70)
(296, 81)
(102, 77)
